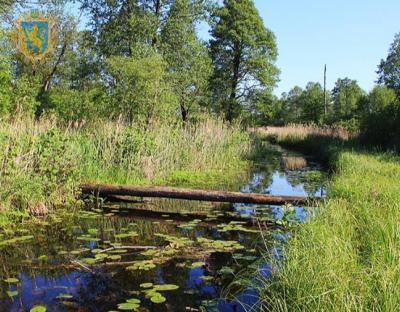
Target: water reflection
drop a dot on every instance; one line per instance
(53, 261)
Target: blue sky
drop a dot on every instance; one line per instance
(351, 37)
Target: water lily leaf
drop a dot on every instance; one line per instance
(158, 299)
(128, 306)
(64, 296)
(226, 270)
(12, 293)
(197, 265)
(12, 280)
(114, 257)
(166, 287)
(89, 260)
(146, 285)
(38, 308)
(133, 300)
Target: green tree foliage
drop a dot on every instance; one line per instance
(389, 69)
(121, 24)
(381, 117)
(189, 65)
(243, 53)
(312, 103)
(140, 89)
(5, 73)
(346, 96)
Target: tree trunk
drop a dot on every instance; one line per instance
(104, 190)
(157, 12)
(185, 113)
(235, 81)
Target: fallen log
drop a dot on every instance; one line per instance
(105, 190)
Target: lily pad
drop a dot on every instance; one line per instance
(128, 306)
(114, 257)
(12, 280)
(64, 296)
(146, 285)
(165, 287)
(197, 265)
(158, 299)
(38, 308)
(12, 293)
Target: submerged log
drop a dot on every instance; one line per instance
(105, 190)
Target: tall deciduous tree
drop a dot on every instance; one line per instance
(389, 69)
(243, 51)
(188, 61)
(312, 103)
(346, 96)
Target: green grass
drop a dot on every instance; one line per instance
(347, 256)
(42, 163)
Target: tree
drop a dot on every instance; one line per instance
(121, 25)
(389, 69)
(139, 89)
(243, 52)
(292, 105)
(312, 103)
(380, 123)
(188, 62)
(379, 98)
(346, 96)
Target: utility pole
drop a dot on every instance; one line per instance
(325, 97)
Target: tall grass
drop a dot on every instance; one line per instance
(347, 256)
(42, 163)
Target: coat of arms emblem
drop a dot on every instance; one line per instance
(35, 37)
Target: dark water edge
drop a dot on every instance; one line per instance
(60, 262)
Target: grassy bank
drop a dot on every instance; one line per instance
(347, 256)
(42, 164)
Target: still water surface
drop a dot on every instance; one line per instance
(84, 261)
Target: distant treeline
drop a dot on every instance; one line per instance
(376, 114)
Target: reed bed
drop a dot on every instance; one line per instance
(42, 162)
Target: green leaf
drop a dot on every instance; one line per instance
(166, 287)
(64, 296)
(128, 306)
(11, 280)
(158, 299)
(146, 285)
(197, 265)
(13, 293)
(38, 308)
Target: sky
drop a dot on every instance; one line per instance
(350, 37)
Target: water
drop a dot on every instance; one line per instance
(79, 261)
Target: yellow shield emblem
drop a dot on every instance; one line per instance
(35, 37)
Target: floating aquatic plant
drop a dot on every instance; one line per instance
(12, 280)
(64, 296)
(12, 293)
(197, 265)
(144, 265)
(146, 285)
(38, 308)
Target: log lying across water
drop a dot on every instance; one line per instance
(105, 190)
